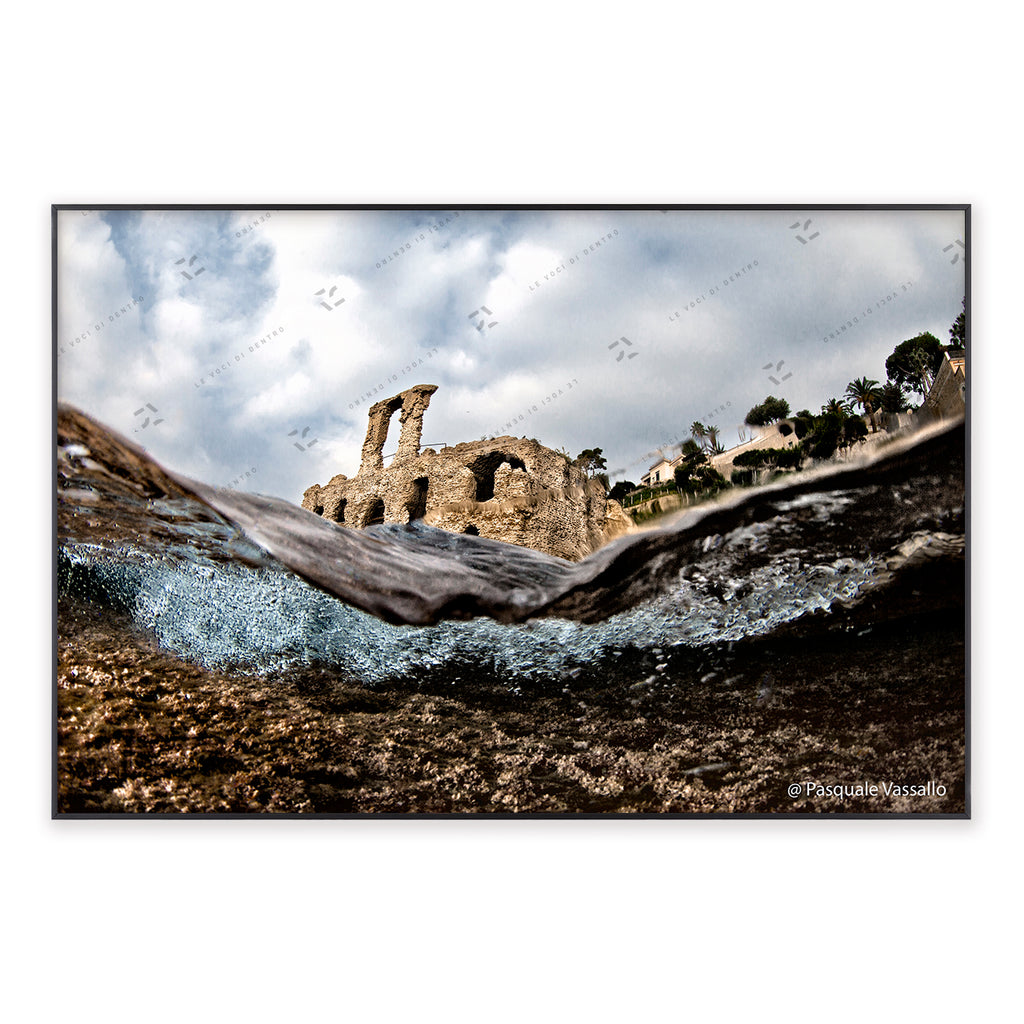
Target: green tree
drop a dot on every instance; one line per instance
(854, 430)
(693, 458)
(591, 461)
(710, 479)
(699, 431)
(713, 444)
(958, 332)
(826, 431)
(822, 442)
(621, 489)
(914, 363)
(867, 394)
(698, 479)
(803, 423)
(834, 429)
(893, 398)
(692, 452)
(770, 410)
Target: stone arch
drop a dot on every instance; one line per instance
(333, 510)
(375, 513)
(483, 468)
(413, 404)
(418, 503)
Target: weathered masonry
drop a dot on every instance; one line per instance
(509, 489)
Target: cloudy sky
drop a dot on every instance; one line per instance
(606, 328)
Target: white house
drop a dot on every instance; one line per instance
(769, 436)
(661, 472)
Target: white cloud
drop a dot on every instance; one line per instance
(278, 400)
(237, 357)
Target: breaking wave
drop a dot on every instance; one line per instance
(228, 579)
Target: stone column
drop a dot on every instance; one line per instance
(414, 405)
(377, 434)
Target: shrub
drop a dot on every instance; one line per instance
(854, 429)
(700, 479)
(752, 458)
(824, 439)
(894, 399)
(789, 458)
(784, 458)
(710, 479)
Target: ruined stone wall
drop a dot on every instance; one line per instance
(509, 489)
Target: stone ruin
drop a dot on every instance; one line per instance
(509, 489)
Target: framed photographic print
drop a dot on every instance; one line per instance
(511, 511)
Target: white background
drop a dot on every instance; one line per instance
(442, 103)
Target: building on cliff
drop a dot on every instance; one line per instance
(772, 435)
(947, 397)
(509, 489)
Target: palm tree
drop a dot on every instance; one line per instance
(699, 431)
(834, 407)
(866, 394)
(713, 444)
